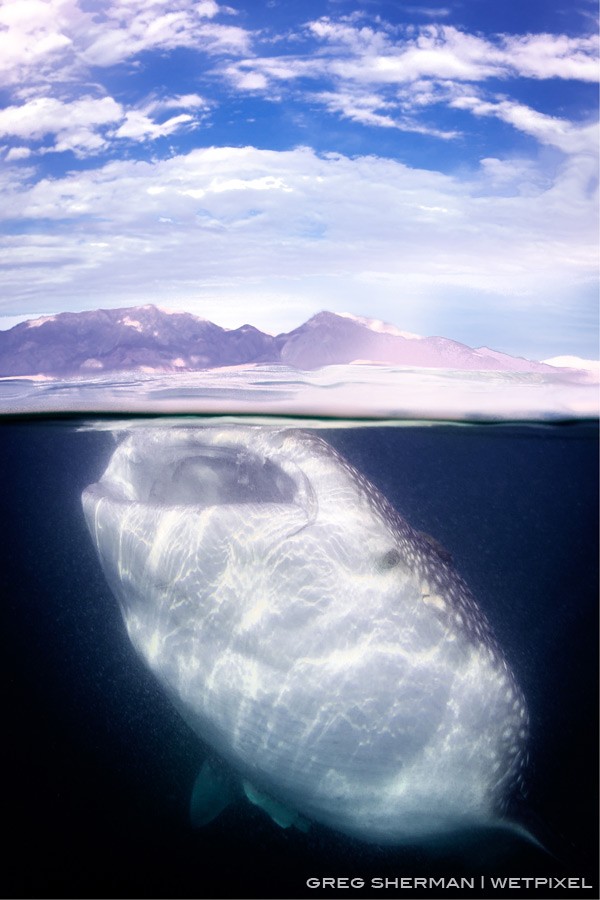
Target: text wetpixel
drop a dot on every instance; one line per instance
(406, 882)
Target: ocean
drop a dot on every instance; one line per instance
(99, 766)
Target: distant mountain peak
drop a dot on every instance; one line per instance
(150, 338)
(321, 318)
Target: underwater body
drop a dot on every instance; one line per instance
(327, 651)
(407, 528)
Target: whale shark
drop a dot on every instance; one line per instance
(328, 653)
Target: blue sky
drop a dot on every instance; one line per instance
(430, 164)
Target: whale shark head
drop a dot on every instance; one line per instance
(329, 653)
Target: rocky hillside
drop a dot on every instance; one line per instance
(153, 340)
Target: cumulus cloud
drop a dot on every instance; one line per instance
(223, 222)
(17, 153)
(75, 125)
(368, 55)
(49, 49)
(87, 125)
(553, 56)
(443, 51)
(388, 77)
(46, 115)
(127, 29)
(42, 38)
(366, 72)
(35, 34)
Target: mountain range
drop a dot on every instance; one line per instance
(152, 339)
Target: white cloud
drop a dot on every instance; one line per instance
(366, 233)
(358, 107)
(364, 108)
(445, 52)
(374, 74)
(17, 153)
(252, 74)
(138, 126)
(75, 125)
(49, 40)
(431, 12)
(553, 56)
(435, 52)
(219, 185)
(47, 48)
(386, 78)
(182, 101)
(127, 30)
(46, 115)
(560, 133)
(35, 34)
(87, 125)
(207, 8)
(248, 81)
(223, 38)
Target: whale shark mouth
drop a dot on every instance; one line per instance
(217, 476)
(201, 475)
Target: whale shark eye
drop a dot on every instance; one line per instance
(390, 559)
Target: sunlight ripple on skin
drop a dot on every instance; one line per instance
(329, 654)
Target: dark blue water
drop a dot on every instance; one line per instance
(98, 767)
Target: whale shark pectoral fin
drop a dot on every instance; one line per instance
(211, 793)
(281, 814)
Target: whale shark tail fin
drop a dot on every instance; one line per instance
(487, 845)
(546, 836)
(212, 792)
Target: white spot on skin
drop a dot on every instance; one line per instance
(435, 600)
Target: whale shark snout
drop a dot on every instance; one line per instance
(329, 653)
